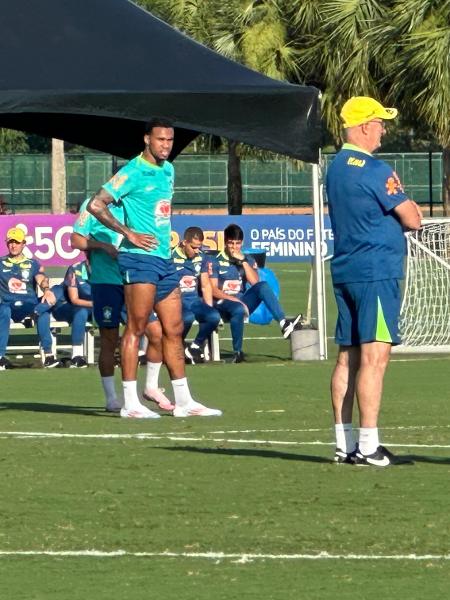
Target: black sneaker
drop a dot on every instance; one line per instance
(291, 325)
(345, 458)
(142, 360)
(194, 355)
(380, 458)
(238, 357)
(5, 364)
(78, 362)
(50, 362)
(28, 322)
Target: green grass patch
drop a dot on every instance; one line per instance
(256, 488)
(256, 481)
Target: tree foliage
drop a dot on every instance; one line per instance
(13, 142)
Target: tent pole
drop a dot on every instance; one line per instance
(319, 273)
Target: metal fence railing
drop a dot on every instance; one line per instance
(201, 180)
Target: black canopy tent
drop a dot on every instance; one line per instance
(92, 73)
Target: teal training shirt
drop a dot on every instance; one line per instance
(104, 268)
(146, 192)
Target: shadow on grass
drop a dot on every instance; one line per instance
(409, 459)
(435, 460)
(93, 411)
(249, 452)
(254, 358)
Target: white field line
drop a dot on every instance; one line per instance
(218, 556)
(182, 438)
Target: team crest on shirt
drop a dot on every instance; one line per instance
(107, 313)
(393, 184)
(163, 209)
(25, 274)
(16, 286)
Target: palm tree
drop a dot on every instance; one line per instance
(253, 32)
(415, 50)
(333, 39)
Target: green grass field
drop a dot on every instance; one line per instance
(246, 506)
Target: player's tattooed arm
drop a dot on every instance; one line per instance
(98, 206)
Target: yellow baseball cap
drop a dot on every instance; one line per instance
(362, 109)
(16, 234)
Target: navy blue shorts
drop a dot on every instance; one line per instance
(368, 312)
(144, 268)
(109, 305)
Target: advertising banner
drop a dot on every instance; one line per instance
(284, 238)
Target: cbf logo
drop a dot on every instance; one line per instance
(107, 313)
(163, 209)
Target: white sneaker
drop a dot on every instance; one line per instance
(195, 409)
(113, 405)
(138, 412)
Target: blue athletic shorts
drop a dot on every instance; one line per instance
(142, 268)
(109, 305)
(368, 312)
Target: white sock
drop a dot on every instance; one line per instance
(368, 440)
(344, 437)
(109, 388)
(181, 392)
(152, 376)
(282, 322)
(77, 350)
(130, 395)
(194, 345)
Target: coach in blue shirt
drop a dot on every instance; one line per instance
(369, 212)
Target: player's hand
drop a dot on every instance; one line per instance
(49, 297)
(142, 240)
(236, 257)
(247, 313)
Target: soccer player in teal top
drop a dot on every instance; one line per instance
(369, 212)
(145, 188)
(101, 243)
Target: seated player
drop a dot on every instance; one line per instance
(75, 306)
(196, 292)
(237, 290)
(19, 278)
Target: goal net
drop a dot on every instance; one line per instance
(425, 312)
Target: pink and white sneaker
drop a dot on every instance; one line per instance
(157, 397)
(195, 409)
(138, 412)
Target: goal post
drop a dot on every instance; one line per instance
(425, 310)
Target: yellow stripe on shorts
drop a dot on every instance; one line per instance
(382, 334)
